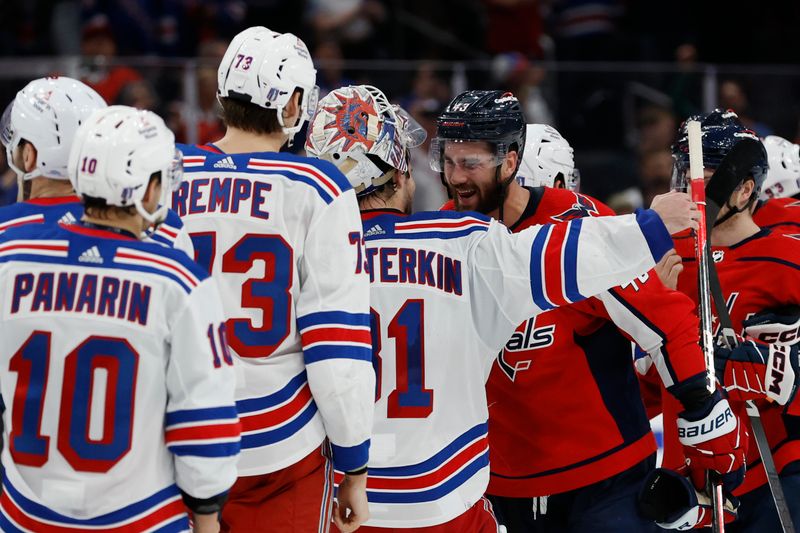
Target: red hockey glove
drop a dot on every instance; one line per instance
(714, 439)
(754, 371)
(671, 501)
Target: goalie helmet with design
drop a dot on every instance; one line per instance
(265, 68)
(46, 113)
(721, 130)
(366, 137)
(783, 177)
(115, 153)
(548, 156)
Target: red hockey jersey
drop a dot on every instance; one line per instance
(564, 405)
(780, 214)
(760, 272)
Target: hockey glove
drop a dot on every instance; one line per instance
(754, 371)
(714, 439)
(671, 501)
(781, 326)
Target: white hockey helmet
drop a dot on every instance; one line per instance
(265, 68)
(366, 137)
(783, 176)
(547, 154)
(116, 151)
(46, 113)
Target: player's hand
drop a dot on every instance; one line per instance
(754, 371)
(205, 523)
(714, 438)
(677, 211)
(669, 268)
(351, 509)
(672, 501)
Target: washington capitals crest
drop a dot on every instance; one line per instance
(583, 207)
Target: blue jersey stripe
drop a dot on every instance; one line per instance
(332, 319)
(480, 462)
(336, 351)
(264, 438)
(223, 449)
(197, 415)
(571, 262)
(438, 459)
(39, 511)
(537, 281)
(265, 402)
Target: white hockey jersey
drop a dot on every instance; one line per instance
(282, 236)
(116, 379)
(448, 290)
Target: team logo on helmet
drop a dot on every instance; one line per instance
(583, 207)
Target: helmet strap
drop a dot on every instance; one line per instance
(502, 190)
(734, 210)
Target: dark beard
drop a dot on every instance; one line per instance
(488, 201)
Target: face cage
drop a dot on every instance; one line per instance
(438, 146)
(573, 180)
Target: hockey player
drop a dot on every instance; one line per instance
(569, 449)
(117, 380)
(547, 160)
(779, 205)
(37, 129)
(743, 252)
(282, 235)
(448, 289)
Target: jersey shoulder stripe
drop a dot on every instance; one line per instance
(554, 265)
(277, 416)
(165, 508)
(69, 244)
(424, 225)
(322, 176)
(168, 231)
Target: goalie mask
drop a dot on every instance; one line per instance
(783, 177)
(548, 156)
(117, 150)
(367, 138)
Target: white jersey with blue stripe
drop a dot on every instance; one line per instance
(282, 235)
(63, 209)
(172, 233)
(448, 289)
(117, 384)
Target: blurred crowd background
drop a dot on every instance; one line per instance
(615, 77)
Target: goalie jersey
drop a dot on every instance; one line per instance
(116, 379)
(447, 291)
(282, 235)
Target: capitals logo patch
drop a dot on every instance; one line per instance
(583, 207)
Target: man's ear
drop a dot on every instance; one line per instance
(29, 155)
(509, 165)
(291, 111)
(152, 193)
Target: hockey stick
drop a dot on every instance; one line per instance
(698, 190)
(728, 175)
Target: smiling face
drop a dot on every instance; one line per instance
(469, 170)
